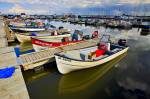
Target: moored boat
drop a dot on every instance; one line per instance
(26, 37)
(27, 28)
(81, 59)
(42, 44)
(22, 37)
(45, 43)
(81, 80)
(145, 30)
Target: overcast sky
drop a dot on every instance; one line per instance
(68, 6)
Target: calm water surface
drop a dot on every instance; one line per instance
(126, 77)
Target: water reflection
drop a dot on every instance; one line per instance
(26, 46)
(81, 80)
(32, 75)
(128, 81)
(102, 30)
(134, 70)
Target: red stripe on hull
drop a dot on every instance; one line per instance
(51, 44)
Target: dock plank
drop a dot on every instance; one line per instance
(23, 60)
(33, 57)
(38, 56)
(7, 57)
(6, 50)
(26, 58)
(13, 87)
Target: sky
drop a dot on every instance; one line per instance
(75, 6)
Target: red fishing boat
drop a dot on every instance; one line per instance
(44, 43)
(41, 44)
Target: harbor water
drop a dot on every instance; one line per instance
(126, 77)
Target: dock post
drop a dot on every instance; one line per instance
(3, 38)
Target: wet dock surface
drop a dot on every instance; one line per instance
(13, 87)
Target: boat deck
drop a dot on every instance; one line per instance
(27, 60)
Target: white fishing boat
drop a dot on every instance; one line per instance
(80, 80)
(22, 37)
(79, 59)
(26, 37)
(27, 28)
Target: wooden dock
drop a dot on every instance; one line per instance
(1, 17)
(35, 59)
(10, 35)
(6, 34)
(3, 38)
(13, 87)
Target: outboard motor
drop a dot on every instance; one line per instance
(61, 27)
(122, 42)
(65, 39)
(52, 26)
(86, 37)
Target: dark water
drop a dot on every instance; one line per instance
(126, 77)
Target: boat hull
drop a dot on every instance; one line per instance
(23, 38)
(39, 45)
(65, 65)
(24, 29)
(26, 38)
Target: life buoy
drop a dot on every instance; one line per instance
(95, 34)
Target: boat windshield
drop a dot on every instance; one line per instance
(105, 38)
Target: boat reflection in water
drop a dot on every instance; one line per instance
(80, 80)
(33, 75)
(27, 46)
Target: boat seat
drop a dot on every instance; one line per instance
(72, 55)
(100, 57)
(84, 56)
(68, 56)
(115, 50)
(112, 51)
(84, 53)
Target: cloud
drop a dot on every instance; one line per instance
(11, 1)
(75, 3)
(147, 1)
(132, 84)
(17, 9)
(82, 3)
(131, 1)
(62, 6)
